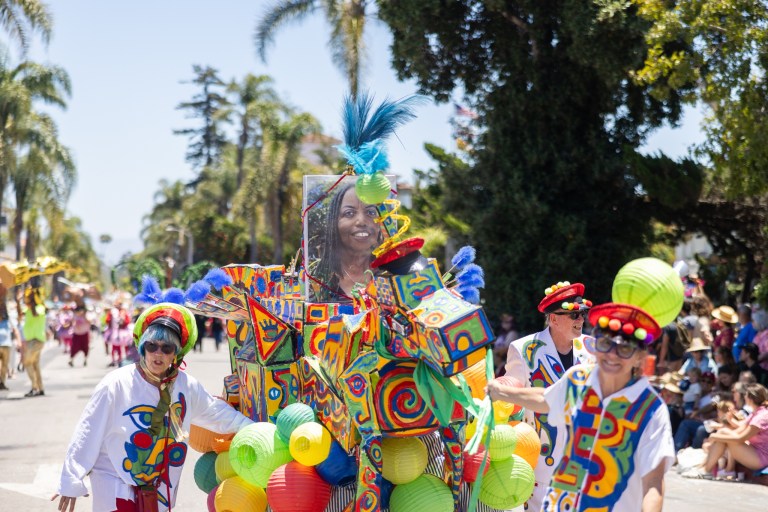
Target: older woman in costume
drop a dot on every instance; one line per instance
(131, 435)
(619, 438)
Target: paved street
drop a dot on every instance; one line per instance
(36, 432)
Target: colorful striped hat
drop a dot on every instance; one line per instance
(174, 316)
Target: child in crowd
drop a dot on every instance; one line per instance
(693, 393)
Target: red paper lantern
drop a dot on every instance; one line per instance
(211, 501)
(294, 487)
(472, 464)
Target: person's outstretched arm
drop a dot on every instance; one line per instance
(653, 489)
(530, 398)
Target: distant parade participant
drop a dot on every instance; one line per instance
(35, 332)
(540, 359)
(131, 436)
(619, 440)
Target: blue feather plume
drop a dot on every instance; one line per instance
(197, 291)
(217, 278)
(173, 295)
(465, 256)
(365, 129)
(472, 275)
(150, 291)
(470, 294)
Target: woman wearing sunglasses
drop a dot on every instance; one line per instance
(131, 437)
(619, 439)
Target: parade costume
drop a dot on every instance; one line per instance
(535, 361)
(133, 432)
(613, 441)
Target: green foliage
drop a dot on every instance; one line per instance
(551, 194)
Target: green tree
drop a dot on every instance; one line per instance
(19, 17)
(347, 19)
(210, 106)
(550, 194)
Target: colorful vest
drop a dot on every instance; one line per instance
(602, 440)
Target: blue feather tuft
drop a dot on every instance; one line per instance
(197, 291)
(173, 295)
(465, 256)
(470, 294)
(150, 291)
(217, 278)
(366, 129)
(472, 275)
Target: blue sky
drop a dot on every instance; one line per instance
(127, 61)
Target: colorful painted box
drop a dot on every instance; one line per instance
(265, 391)
(276, 342)
(409, 290)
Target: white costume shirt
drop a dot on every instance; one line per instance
(534, 361)
(112, 443)
(613, 442)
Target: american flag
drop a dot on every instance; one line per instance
(463, 111)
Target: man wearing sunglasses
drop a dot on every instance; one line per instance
(131, 438)
(540, 359)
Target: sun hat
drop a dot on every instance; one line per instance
(726, 314)
(564, 297)
(697, 344)
(672, 387)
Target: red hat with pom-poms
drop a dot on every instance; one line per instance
(630, 322)
(564, 297)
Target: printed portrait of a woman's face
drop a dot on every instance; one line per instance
(340, 234)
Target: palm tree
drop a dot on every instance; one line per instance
(20, 87)
(347, 20)
(286, 143)
(45, 168)
(18, 17)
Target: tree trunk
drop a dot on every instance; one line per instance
(749, 276)
(252, 236)
(240, 158)
(18, 227)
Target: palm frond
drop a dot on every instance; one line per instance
(278, 14)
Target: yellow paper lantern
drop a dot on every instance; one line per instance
(503, 441)
(528, 443)
(236, 495)
(403, 459)
(310, 444)
(224, 467)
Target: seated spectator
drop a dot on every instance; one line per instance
(747, 377)
(760, 323)
(746, 444)
(746, 331)
(722, 326)
(698, 354)
(701, 308)
(670, 348)
(692, 429)
(726, 376)
(748, 362)
(691, 390)
(723, 356)
(672, 395)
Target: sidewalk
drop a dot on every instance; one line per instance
(37, 431)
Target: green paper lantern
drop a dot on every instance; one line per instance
(425, 494)
(256, 451)
(503, 442)
(373, 188)
(653, 286)
(508, 483)
(224, 467)
(291, 417)
(205, 472)
(404, 459)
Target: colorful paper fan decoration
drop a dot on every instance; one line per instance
(508, 484)
(310, 444)
(528, 443)
(211, 501)
(339, 468)
(653, 286)
(205, 472)
(503, 442)
(294, 487)
(236, 495)
(425, 494)
(224, 467)
(291, 417)
(256, 451)
(403, 459)
(472, 464)
(201, 439)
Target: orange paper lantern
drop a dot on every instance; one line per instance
(201, 439)
(221, 443)
(528, 443)
(476, 379)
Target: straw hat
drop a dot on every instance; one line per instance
(697, 344)
(725, 314)
(672, 387)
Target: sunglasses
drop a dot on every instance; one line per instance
(167, 348)
(623, 350)
(574, 315)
